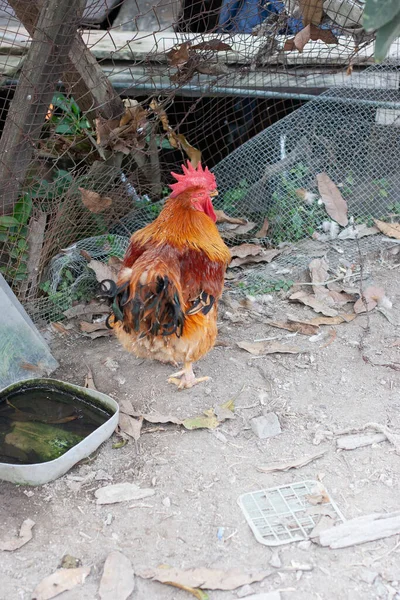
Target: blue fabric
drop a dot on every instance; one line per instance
(241, 16)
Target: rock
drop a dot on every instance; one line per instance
(275, 561)
(244, 591)
(368, 576)
(304, 545)
(166, 502)
(121, 492)
(266, 426)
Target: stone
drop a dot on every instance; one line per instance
(266, 426)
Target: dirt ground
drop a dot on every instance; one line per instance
(328, 386)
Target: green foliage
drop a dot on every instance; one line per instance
(70, 122)
(265, 286)
(384, 17)
(232, 197)
(290, 218)
(13, 240)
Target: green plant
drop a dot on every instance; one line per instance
(384, 18)
(265, 286)
(290, 218)
(235, 195)
(70, 120)
(13, 240)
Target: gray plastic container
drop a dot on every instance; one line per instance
(40, 473)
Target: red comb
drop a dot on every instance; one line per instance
(192, 178)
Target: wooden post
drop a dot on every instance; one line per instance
(83, 76)
(55, 30)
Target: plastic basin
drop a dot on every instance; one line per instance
(40, 473)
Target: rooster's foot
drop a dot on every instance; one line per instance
(186, 379)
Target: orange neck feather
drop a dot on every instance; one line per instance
(182, 226)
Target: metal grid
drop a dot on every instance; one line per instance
(282, 514)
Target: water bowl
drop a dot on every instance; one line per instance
(47, 426)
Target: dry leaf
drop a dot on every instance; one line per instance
(130, 425)
(354, 232)
(94, 201)
(266, 256)
(328, 320)
(215, 45)
(117, 581)
(290, 464)
(303, 327)
(90, 327)
(103, 271)
(242, 229)
(60, 581)
(60, 328)
(245, 250)
(301, 38)
(314, 303)
(180, 55)
(203, 578)
(390, 229)
(372, 296)
(193, 153)
(311, 11)
(100, 333)
(9, 544)
(264, 229)
(319, 274)
(262, 348)
(93, 308)
(89, 381)
(318, 495)
(121, 492)
(332, 338)
(335, 204)
(224, 218)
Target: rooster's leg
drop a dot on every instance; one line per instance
(185, 378)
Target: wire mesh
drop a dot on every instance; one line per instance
(101, 99)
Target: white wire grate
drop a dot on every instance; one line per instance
(284, 514)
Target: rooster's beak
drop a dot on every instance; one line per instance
(214, 193)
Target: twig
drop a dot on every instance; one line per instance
(329, 280)
(386, 553)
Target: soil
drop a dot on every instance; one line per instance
(327, 386)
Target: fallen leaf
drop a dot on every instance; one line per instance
(265, 256)
(354, 232)
(311, 11)
(318, 271)
(91, 309)
(100, 333)
(325, 35)
(302, 38)
(335, 204)
(303, 327)
(103, 271)
(69, 562)
(130, 425)
(89, 381)
(313, 302)
(193, 153)
(90, 327)
(240, 229)
(180, 55)
(372, 296)
(290, 464)
(199, 594)
(346, 318)
(121, 492)
(332, 338)
(216, 45)
(212, 417)
(390, 229)
(261, 348)
(207, 579)
(224, 218)
(94, 201)
(60, 581)
(225, 411)
(117, 581)
(264, 229)
(246, 250)
(9, 544)
(60, 328)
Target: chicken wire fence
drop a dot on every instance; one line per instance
(101, 99)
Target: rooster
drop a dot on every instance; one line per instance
(164, 304)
